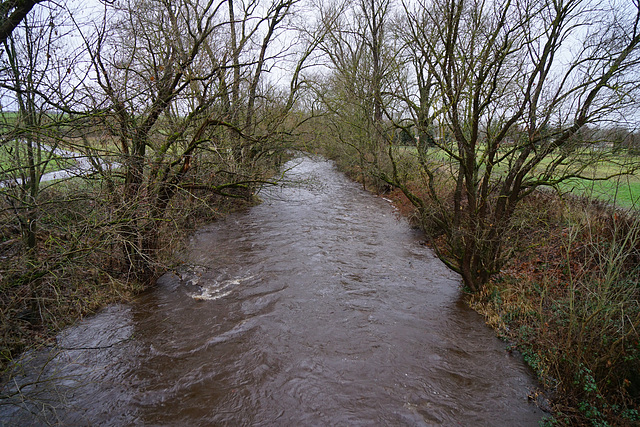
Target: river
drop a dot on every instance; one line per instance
(318, 307)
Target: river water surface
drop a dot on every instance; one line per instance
(318, 307)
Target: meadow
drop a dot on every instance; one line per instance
(612, 178)
(13, 161)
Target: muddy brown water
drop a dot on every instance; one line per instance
(318, 307)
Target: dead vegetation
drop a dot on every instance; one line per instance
(569, 301)
(78, 265)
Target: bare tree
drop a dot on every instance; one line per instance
(35, 64)
(503, 90)
(12, 12)
(357, 92)
(182, 87)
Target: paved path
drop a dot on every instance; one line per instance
(84, 166)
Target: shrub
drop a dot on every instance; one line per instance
(569, 300)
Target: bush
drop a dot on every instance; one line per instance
(569, 301)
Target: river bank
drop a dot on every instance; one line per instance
(568, 300)
(76, 269)
(320, 305)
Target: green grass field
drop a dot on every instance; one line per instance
(615, 180)
(623, 190)
(9, 160)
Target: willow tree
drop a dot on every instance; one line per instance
(502, 91)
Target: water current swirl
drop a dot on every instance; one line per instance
(318, 307)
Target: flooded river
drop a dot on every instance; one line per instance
(318, 307)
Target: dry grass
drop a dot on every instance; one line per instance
(43, 293)
(569, 302)
(78, 266)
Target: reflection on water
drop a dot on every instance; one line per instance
(318, 307)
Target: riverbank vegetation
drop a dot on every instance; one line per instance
(479, 116)
(567, 300)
